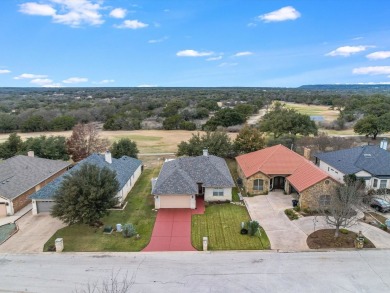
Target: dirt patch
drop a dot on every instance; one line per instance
(325, 239)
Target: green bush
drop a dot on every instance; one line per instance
(297, 208)
(383, 227)
(291, 214)
(128, 230)
(253, 226)
(344, 231)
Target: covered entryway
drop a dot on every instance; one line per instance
(44, 206)
(278, 182)
(3, 209)
(175, 202)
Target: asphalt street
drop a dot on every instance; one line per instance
(339, 271)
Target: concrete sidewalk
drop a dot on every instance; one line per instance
(16, 216)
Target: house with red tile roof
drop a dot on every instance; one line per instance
(278, 167)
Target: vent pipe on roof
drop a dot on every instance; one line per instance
(107, 157)
(30, 154)
(205, 152)
(383, 144)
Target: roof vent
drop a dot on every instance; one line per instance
(367, 155)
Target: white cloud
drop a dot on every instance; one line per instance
(4, 71)
(34, 8)
(193, 53)
(70, 12)
(53, 85)
(30, 76)
(158, 40)
(118, 13)
(75, 80)
(132, 24)
(214, 58)
(372, 70)
(252, 24)
(283, 14)
(147, 85)
(347, 50)
(105, 81)
(41, 81)
(379, 55)
(245, 53)
(226, 64)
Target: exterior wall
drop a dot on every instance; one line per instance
(208, 195)
(308, 199)
(249, 184)
(336, 174)
(9, 209)
(176, 201)
(122, 194)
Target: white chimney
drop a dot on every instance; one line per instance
(383, 144)
(107, 157)
(30, 154)
(205, 152)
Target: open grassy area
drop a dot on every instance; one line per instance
(315, 110)
(222, 224)
(138, 211)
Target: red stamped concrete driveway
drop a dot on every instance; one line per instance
(172, 229)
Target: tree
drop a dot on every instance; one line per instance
(34, 124)
(124, 147)
(85, 141)
(218, 143)
(86, 194)
(8, 122)
(339, 206)
(63, 123)
(224, 117)
(52, 147)
(172, 122)
(249, 139)
(372, 125)
(12, 146)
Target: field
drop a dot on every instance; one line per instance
(148, 141)
(314, 110)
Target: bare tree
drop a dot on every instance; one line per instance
(340, 206)
(113, 284)
(84, 141)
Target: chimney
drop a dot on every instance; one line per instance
(383, 144)
(107, 157)
(30, 154)
(306, 153)
(205, 152)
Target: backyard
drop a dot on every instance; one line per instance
(221, 223)
(82, 237)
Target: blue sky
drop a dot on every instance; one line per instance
(193, 43)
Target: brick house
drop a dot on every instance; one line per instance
(21, 176)
(278, 167)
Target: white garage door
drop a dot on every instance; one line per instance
(175, 201)
(3, 210)
(44, 206)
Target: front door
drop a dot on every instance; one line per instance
(278, 182)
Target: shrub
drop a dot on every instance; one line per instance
(344, 231)
(253, 226)
(128, 230)
(291, 214)
(297, 208)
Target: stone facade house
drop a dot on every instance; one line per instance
(21, 176)
(182, 181)
(279, 168)
(127, 171)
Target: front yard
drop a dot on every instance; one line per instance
(222, 224)
(81, 237)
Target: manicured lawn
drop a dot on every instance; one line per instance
(222, 224)
(138, 212)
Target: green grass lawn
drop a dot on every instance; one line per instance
(222, 224)
(138, 211)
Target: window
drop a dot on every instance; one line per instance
(383, 184)
(258, 184)
(218, 192)
(325, 200)
(327, 181)
(375, 184)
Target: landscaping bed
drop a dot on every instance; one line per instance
(221, 223)
(138, 211)
(323, 239)
(376, 220)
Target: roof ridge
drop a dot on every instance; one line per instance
(266, 159)
(219, 171)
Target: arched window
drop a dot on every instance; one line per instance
(258, 184)
(325, 200)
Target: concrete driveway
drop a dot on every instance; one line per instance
(268, 210)
(33, 233)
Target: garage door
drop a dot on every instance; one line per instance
(3, 210)
(44, 206)
(175, 201)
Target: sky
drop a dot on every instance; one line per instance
(202, 43)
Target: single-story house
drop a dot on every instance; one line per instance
(21, 176)
(127, 171)
(369, 162)
(278, 167)
(182, 180)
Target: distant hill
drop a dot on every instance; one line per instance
(348, 87)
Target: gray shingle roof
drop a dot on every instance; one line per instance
(21, 173)
(124, 168)
(181, 176)
(369, 158)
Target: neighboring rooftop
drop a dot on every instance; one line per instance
(181, 176)
(124, 168)
(369, 158)
(21, 173)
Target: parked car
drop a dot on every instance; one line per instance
(380, 205)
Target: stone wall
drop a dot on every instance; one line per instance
(248, 182)
(308, 199)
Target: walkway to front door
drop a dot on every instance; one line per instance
(172, 229)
